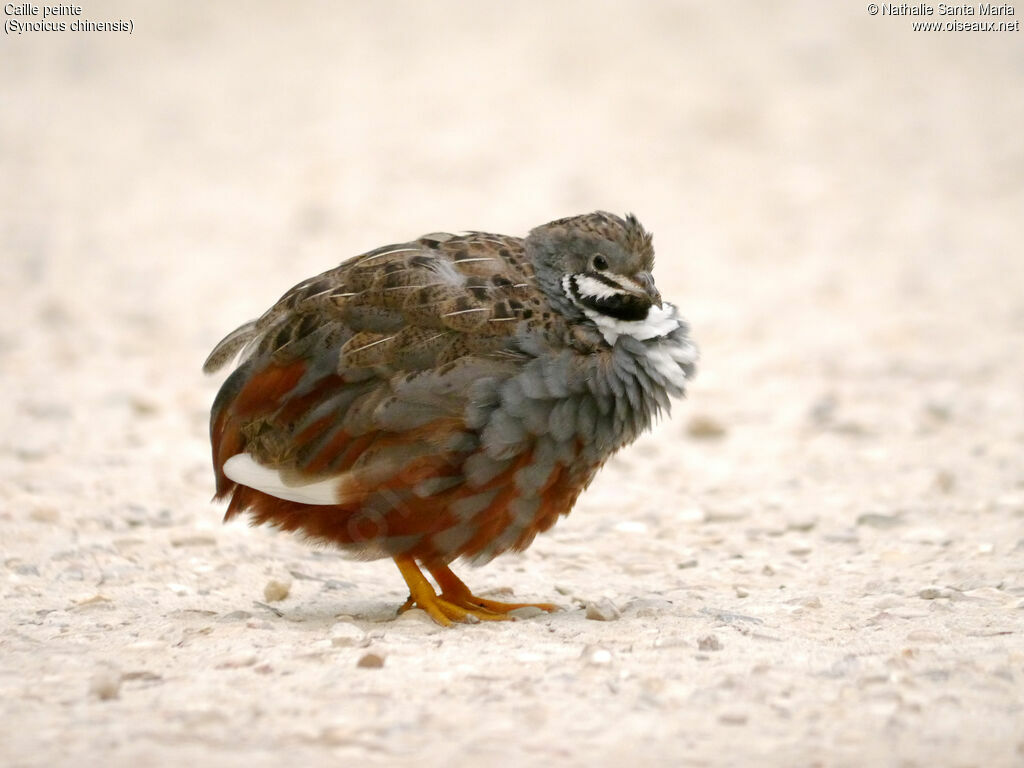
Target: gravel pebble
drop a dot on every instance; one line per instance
(105, 684)
(194, 541)
(45, 514)
(236, 616)
(945, 481)
(370, 660)
(603, 610)
(344, 633)
(238, 661)
(879, 520)
(596, 656)
(802, 522)
(924, 636)
(927, 535)
(709, 643)
(933, 593)
(703, 427)
(692, 515)
(801, 548)
(276, 591)
(527, 612)
(733, 718)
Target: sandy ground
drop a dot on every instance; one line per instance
(818, 559)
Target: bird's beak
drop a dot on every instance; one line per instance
(646, 280)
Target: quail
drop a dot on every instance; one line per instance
(448, 397)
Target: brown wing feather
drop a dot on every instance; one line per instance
(368, 369)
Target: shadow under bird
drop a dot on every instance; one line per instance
(449, 397)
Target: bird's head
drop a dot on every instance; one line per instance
(595, 263)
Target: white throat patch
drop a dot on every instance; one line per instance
(660, 321)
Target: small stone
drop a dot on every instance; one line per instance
(726, 515)
(85, 602)
(370, 660)
(105, 684)
(693, 515)
(804, 604)
(703, 427)
(741, 591)
(194, 541)
(26, 569)
(417, 616)
(143, 675)
(801, 523)
(850, 428)
(945, 481)
(733, 718)
(939, 411)
(927, 535)
(596, 656)
(238, 661)
(236, 616)
(686, 564)
(801, 548)
(933, 593)
(648, 607)
(603, 610)
(342, 735)
(345, 634)
(823, 410)
(709, 643)
(527, 612)
(143, 406)
(880, 520)
(337, 584)
(842, 536)
(45, 514)
(145, 646)
(275, 591)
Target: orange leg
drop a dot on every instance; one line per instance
(439, 608)
(455, 591)
(456, 602)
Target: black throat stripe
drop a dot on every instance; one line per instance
(621, 305)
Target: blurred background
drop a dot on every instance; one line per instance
(834, 197)
(836, 200)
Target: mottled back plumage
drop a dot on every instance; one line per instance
(450, 396)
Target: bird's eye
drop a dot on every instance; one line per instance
(600, 263)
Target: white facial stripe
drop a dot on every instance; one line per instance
(243, 469)
(567, 289)
(588, 286)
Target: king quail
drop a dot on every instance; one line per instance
(447, 397)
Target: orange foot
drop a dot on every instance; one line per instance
(456, 602)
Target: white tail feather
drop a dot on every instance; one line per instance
(243, 469)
